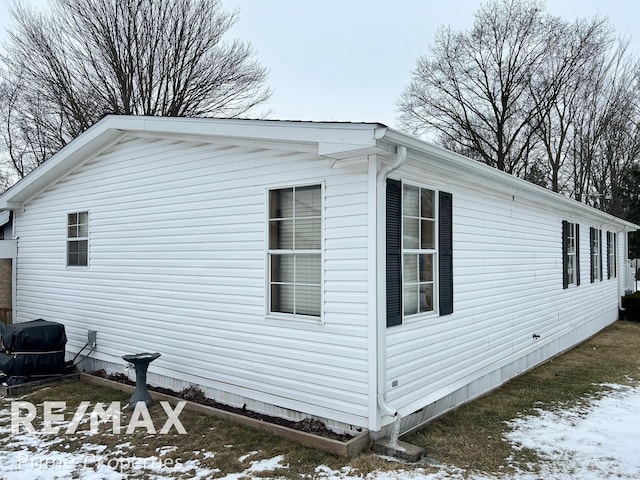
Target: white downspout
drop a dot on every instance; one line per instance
(381, 321)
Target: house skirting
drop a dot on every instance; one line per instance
(88, 364)
(500, 375)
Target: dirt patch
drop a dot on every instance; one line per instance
(194, 394)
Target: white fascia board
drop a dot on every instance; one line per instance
(462, 167)
(337, 140)
(85, 146)
(331, 139)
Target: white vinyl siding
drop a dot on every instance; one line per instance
(178, 241)
(507, 261)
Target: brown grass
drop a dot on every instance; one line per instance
(470, 438)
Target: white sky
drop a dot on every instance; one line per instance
(349, 60)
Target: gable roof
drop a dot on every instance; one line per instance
(338, 140)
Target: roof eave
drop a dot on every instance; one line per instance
(335, 140)
(517, 186)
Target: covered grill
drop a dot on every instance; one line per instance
(33, 349)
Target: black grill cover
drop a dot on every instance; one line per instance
(33, 348)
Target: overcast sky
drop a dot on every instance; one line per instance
(348, 60)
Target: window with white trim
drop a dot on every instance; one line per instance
(596, 254)
(571, 254)
(418, 249)
(78, 239)
(612, 250)
(295, 255)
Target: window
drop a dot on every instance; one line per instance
(612, 265)
(295, 259)
(595, 236)
(418, 249)
(571, 253)
(78, 239)
(419, 253)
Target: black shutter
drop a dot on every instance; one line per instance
(565, 256)
(445, 252)
(577, 259)
(394, 259)
(592, 236)
(600, 253)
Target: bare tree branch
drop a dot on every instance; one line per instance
(89, 58)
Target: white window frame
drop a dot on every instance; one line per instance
(596, 257)
(572, 278)
(420, 251)
(612, 254)
(270, 253)
(77, 239)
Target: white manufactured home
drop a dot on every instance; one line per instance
(345, 272)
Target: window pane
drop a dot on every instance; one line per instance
(282, 298)
(308, 234)
(308, 269)
(307, 300)
(410, 268)
(83, 217)
(83, 230)
(308, 201)
(426, 203)
(72, 219)
(426, 297)
(77, 253)
(426, 234)
(410, 201)
(281, 235)
(410, 232)
(282, 268)
(72, 232)
(410, 299)
(281, 203)
(426, 268)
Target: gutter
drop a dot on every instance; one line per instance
(381, 323)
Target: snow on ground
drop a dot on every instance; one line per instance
(599, 441)
(596, 441)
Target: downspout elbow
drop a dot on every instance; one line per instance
(385, 408)
(401, 156)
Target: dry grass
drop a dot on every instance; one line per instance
(469, 438)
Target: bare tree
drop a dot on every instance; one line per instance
(486, 89)
(88, 58)
(474, 86)
(585, 46)
(606, 120)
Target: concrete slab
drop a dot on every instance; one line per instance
(399, 449)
